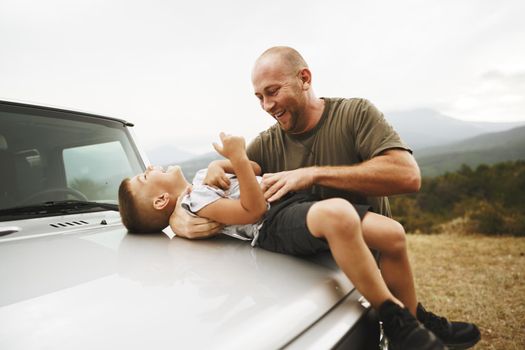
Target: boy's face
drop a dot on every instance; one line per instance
(156, 181)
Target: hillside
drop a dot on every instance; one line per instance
(190, 167)
(420, 128)
(423, 127)
(483, 149)
(168, 154)
(485, 199)
(489, 148)
(440, 143)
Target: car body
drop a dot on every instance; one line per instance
(73, 278)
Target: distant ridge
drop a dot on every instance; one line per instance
(423, 127)
(168, 154)
(440, 143)
(488, 148)
(191, 166)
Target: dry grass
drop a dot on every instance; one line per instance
(475, 278)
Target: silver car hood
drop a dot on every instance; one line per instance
(92, 286)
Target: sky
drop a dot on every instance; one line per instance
(180, 70)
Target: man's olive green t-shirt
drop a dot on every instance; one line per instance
(350, 131)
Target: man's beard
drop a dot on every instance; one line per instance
(294, 125)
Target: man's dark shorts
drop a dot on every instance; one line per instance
(285, 231)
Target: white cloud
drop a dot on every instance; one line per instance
(180, 70)
(496, 96)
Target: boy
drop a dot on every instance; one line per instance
(148, 200)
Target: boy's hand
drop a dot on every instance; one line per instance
(233, 147)
(216, 177)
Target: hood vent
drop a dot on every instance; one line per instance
(69, 224)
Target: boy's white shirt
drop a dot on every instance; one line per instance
(169, 232)
(203, 195)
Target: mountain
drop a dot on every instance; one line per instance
(432, 135)
(190, 166)
(422, 128)
(167, 154)
(488, 148)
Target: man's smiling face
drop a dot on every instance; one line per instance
(280, 93)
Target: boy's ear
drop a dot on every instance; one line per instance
(161, 201)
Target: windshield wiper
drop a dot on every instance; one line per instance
(55, 207)
(76, 204)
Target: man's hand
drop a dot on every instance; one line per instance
(233, 147)
(216, 177)
(276, 185)
(191, 227)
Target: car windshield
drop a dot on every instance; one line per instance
(49, 155)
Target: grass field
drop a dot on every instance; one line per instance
(475, 278)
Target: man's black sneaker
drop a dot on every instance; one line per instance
(456, 335)
(404, 332)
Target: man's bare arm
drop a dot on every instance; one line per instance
(191, 227)
(392, 172)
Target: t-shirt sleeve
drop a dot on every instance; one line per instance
(199, 197)
(373, 134)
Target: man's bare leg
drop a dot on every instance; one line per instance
(337, 221)
(388, 237)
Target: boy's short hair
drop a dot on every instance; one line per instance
(136, 214)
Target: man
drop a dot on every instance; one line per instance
(338, 148)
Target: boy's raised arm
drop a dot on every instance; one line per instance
(251, 205)
(217, 169)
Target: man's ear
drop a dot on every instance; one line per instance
(306, 78)
(161, 201)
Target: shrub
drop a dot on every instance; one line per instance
(491, 198)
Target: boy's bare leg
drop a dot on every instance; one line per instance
(388, 236)
(337, 221)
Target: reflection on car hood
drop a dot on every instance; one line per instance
(107, 289)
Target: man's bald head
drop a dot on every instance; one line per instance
(289, 58)
(282, 82)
